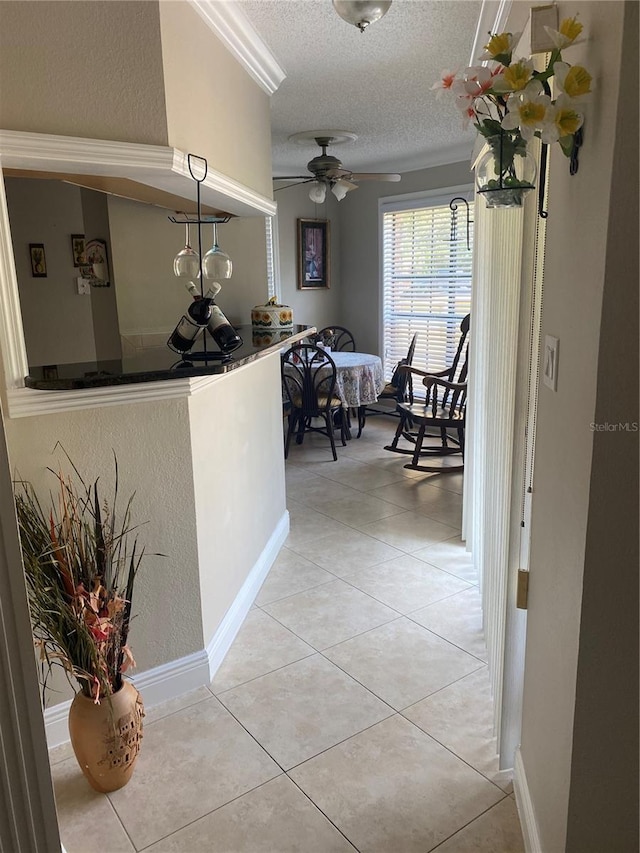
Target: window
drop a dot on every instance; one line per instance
(273, 261)
(426, 279)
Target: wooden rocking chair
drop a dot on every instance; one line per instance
(442, 412)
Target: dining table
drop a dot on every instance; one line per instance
(359, 380)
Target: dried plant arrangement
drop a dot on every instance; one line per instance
(80, 566)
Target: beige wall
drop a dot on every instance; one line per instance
(238, 470)
(106, 335)
(244, 240)
(144, 243)
(79, 68)
(58, 322)
(360, 249)
(152, 444)
(317, 308)
(568, 564)
(214, 109)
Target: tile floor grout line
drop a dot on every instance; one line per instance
(118, 818)
(269, 672)
(440, 843)
(178, 710)
(316, 806)
(284, 597)
(452, 751)
(435, 633)
(455, 754)
(206, 814)
(455, 681)
(319, 651)
(437, 600)
(344, 740)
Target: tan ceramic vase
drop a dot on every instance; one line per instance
(106, 738)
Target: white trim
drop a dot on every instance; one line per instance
(432, 198)
(492, 19)
(526, 811)
(170, 680)
(458, 152)
(13, 350)
(158, 166)
(221, 641)
(235, 31)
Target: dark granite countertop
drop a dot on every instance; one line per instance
(160, 363)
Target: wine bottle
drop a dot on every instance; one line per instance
(190, 325)
(219, 327)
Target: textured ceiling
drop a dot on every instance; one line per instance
(375, 84)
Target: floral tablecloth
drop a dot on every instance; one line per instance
(359, 378)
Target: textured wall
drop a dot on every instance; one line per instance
(214, 109)
(152, 443)
(79, 68)
(238, 473)
(575, 271)
(58, 323)
(312, 307)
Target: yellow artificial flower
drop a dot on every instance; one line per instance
(570, 28)
(499, 44)
(531, 113)
(567, 122)
(577, 82)
(518, 75)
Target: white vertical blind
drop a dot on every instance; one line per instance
(490, 422)
(426, 280)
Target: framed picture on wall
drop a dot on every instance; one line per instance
(77, 247)
(313, 254)
(38, 260)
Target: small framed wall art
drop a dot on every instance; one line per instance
(313, 254)
(38, 260)
(77, 247)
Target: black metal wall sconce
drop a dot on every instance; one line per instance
(453, 206)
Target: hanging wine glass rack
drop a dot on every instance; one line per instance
(199, 175)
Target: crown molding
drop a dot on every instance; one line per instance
(233, 28)
(158, 166)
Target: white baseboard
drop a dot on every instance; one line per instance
(219, 644)
(172, 679)
(526, 811)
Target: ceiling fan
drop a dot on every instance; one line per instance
(327, 172)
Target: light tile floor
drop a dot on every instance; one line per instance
(353, 710)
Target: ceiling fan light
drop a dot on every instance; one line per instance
(361, 13)
(317, 192)
(341, 187)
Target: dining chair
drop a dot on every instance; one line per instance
(309, 381)
(338, 338)
(443, 410)
(399, 388)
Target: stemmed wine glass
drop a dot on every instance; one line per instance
(186, 263)
(216, 264)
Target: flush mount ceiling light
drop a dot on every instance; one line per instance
(361, 13)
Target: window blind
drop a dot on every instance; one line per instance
(426, 281)
(273, 272)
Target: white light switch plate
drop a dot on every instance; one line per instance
(550, 362)
(83, 286)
